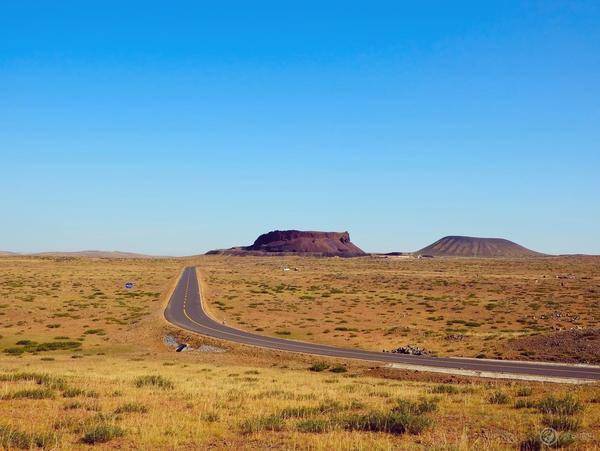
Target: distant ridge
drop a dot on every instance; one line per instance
(94, 254)
(468, 246)
(278, 242)
(88, 253)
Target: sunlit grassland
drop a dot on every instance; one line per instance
(122, 387)
(458, 307)
(49, 300)
(223, 405)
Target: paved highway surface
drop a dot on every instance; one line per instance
(185, 310)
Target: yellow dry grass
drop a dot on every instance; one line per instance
(239, 399)
(456, 307)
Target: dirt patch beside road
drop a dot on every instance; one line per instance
(573, 346)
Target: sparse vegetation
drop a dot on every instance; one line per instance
(319, 366)
(210, 417)
(525, 404)
(154, 381)
(474, 308)
(132, 407)
(73, 392)
(562, 423)
(524, 391)
(122, 395)
(12, 437)
(263, 423)
(314, 425)
(102, 433)
(34, 347)
(52, 382)
(34, 393)
(444, 388)
(338, 369)
(533, 442)
(423, 406)
(499, 397)
(566, 405)
(393, 422)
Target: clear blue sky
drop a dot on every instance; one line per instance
(177, 127)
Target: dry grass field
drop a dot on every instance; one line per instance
(452, 307)
(83, 364)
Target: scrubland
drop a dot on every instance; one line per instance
(452, 307)
(83, 364)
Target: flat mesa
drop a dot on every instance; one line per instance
(297, 242)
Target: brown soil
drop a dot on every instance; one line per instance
(575, 346)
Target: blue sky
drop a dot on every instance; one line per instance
(178, 127)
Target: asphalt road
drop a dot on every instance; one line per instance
(185, 310)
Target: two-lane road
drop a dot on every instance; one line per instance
(185, 310)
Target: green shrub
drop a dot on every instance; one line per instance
(155, 381)
(72, 392)
(101, 433)
(524, 404)
(562, 423)
(306, 411)
(32, 346)
(11, 437)
(298, 411)
(26, 343)
(73, 405)
(264, 423)
(445, 388)
(498, 397)
(34, 393)
(93, 407)
(55, 346)
(560, 406)
(533, 442)
(391, 422)
(319, 366)
(565, 439)
(39, 378)
(131, 407)
(314, 425)
(95, 331)
(524, 391)
(330, 406)
(406, 407)
(210, 417)
(339, 369)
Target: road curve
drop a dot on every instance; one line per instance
(185, 310)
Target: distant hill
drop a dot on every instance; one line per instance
(7, 253)
(325, 244)
(468, 246)
(93, 254)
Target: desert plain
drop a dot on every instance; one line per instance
(86, 362)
